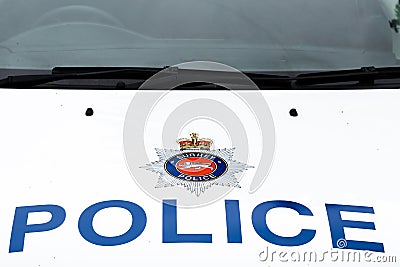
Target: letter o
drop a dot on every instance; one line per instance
(86, 230)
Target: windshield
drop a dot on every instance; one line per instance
(266, 35)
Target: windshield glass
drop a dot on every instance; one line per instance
(266, 35)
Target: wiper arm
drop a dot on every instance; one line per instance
(364, 76)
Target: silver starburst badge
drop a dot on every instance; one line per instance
(195, 166)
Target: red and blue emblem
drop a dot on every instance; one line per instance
(196, 166)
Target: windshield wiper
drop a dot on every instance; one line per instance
(263, 80)
(364, 77)
(138, 74)
(59, 74)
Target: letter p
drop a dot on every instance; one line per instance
(20, 226)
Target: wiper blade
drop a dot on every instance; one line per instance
(363, 76)
(58, 74)
(115, 71)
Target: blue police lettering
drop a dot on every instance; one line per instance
(264, 232)
(170, 232)
(86, 230)
(337, 226)
(20, 226)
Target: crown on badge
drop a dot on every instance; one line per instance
(194, 143)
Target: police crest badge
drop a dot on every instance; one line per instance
(195, 166)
